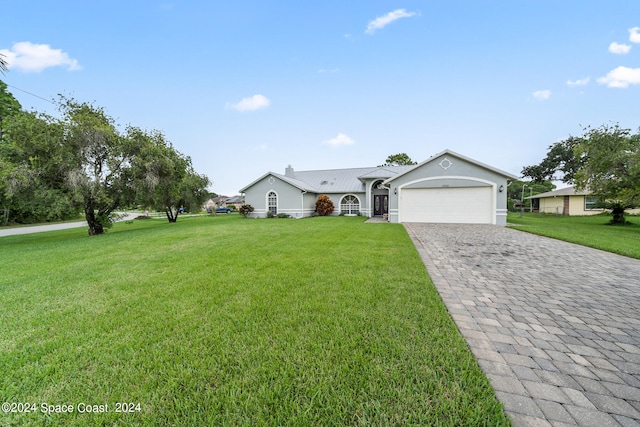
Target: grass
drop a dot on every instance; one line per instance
(593, 231)
(226, 321)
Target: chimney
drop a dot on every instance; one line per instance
(289, 172)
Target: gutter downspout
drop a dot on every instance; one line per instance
(302, 203)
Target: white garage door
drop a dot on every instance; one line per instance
(466, 205)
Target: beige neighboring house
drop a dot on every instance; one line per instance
(568, 201)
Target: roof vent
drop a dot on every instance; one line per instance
(324, 182)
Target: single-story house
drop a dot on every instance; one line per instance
(446, 188)
(223, 201)
(569, 202)
(235, 201)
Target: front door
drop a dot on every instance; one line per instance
(380, 204)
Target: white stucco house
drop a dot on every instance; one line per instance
(446, 188)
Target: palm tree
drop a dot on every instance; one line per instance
(3, 64)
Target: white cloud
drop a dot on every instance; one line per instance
(252, 103)
(30, 57)
(579, 82)
(634, 35)
(621, 77)
(382, 21)
(619, 49)
(340, 140)
(542, 95)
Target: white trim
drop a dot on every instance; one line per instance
(345, 195)
(459, 156)
(267, 202)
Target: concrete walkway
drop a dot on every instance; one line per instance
(51, 227)
(555, 326)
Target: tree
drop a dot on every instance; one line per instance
(8, 105)
(400, 159)
(610, 168)
(324, 205)
(561, 159)
(164, 178)
(35, 164)
(514, 191)
(99, 170)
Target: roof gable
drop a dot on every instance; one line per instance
(291, 181)
(459, 156)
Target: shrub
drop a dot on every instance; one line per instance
(324, 205)
(270, 214)
(283, 215)
(245, 210)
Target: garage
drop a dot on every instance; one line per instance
(458, 205)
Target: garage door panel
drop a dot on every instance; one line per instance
(468, 205)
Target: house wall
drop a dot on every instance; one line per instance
(291, 200)
(450, 171)
(337, 197)
(576, 207)
(554, 205)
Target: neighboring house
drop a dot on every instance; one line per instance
(224, 201)
(567, 201)
(446, 188)
(235, 201)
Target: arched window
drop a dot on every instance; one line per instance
(349, 205)
(272, 202)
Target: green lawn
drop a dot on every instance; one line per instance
(592, 231)
(226, 321)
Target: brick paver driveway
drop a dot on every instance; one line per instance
(555, 326)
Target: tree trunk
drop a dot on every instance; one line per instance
(5, 216)
(618, 216)
(95, 226)
(172, 215)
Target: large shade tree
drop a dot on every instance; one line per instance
(610, 169)
(164, 178)
(54, 168)
(99, 171)
(560, 163)
(604, 161)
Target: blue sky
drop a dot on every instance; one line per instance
(246, 87)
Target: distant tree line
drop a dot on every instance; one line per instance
(55, 168)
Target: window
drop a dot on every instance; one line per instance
(272, 203)
(591, 203)
(349, 205)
